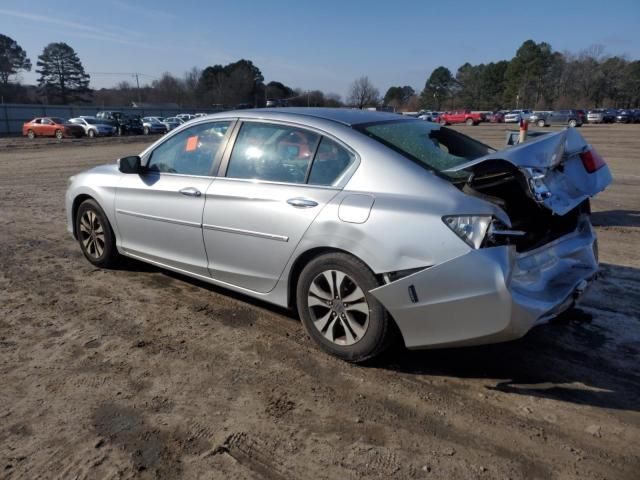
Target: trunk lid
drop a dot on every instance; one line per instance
(558, 168)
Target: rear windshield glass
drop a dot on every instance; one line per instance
(428, 144)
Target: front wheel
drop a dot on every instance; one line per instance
(96, 238)
(337, 310)
(31, 134)
(540, 123)
(442, 122)
(146, 130)
(572, 123)
(91, 133)
(469, 122)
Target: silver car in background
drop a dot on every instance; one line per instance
(362, 221)
(94, 127)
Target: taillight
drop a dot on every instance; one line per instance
(592, 161)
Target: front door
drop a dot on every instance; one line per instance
(278, 179)
(159, 212)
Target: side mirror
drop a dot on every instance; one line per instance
(129, 164)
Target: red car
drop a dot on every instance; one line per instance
(461, 116)
(51, 127)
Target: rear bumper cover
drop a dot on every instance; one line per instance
(490, 295)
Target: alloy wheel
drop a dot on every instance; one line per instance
(338, 307)
(92, 234)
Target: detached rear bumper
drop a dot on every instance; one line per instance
(490, 295)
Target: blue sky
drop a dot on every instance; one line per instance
(312, 44)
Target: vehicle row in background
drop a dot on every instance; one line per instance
(105, 123)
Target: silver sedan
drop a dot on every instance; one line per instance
(365, 222)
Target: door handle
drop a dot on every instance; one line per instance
(190, 192)
(302, 203)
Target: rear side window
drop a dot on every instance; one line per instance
(276, 153)
(330, 162)
(193, 151)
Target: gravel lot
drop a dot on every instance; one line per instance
(141, 373)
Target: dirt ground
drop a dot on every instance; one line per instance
(141, 373)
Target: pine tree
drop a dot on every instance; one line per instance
(62, 76)
(12, 59)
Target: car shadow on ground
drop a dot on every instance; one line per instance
(570, 359)
(616, 218)
(565, 360)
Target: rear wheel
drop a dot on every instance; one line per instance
(442, 121)
(95, 235)
(91, 133)
(337, 310)
(146, 130)
(31, 134)
(540, 123)
(58, 134)
(573, 123)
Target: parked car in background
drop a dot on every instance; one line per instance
(172, 122)
(510, 242)
(538, 118)
(94, 127)
(51, 127)
(636, 115)
(514, 116)
(624, 116)
(428, 115)
(599, 115)
(495, 117)
(186, 116)
(461, 116)
(570, 118)
(151, 125)
(125, 124)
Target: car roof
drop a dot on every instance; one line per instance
(345, 116)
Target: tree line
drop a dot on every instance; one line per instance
(536, 77)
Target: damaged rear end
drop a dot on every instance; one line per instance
(525, 267)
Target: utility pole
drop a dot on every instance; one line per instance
(138, 87)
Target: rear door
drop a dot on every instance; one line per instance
(278, 178)
(159, 212)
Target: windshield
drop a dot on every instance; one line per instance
(429, 145)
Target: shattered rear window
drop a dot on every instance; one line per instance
(430, 145)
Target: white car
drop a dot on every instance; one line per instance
(428, 116)
(514, 116)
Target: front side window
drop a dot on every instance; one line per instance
(193, 151)
(276, 153)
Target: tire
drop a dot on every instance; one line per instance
(31, 134)
(95, 236)
(356, 330)
(146, 130)
(573, 123)
(442, 122)
(91, 133)
(540, 123)
(469, 122)
(59, 134)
